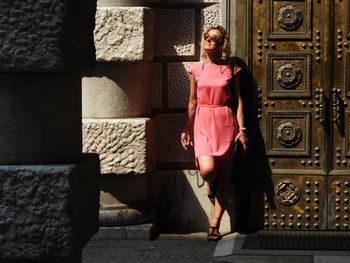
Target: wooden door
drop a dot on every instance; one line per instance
(339, 176)
(300, 62)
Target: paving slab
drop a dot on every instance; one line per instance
(332, 259)
(167, 248)
(240, 248)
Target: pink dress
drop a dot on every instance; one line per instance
(215, 125)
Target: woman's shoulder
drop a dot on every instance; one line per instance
(195, 67)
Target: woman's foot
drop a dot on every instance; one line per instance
(214, 234)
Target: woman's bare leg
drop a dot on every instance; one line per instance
(207, 168)
(224, 171)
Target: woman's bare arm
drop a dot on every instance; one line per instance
(190, 114)
(240, 114)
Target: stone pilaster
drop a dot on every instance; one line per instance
(49, 189)
(116, 106)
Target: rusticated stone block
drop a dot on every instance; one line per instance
(48, 211)
(124, 34)
(124, 145)
(46, 35)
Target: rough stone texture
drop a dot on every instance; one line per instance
(124, 34)
(46, 35)
(156, 85)
(180, 197)
(40, 120)
(169, 148)
(178, 84)
(124, 145)
(117, 91)
(48, 211)
(211, 15)
(175, 32)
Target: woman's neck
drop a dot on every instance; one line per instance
(213, 58)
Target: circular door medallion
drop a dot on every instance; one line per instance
(290, 18)
(288, 133)
(289, 76)
(287, 192)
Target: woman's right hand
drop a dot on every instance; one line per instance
(186, 139)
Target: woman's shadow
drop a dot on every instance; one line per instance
(252, 183)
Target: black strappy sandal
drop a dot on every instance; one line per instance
(214, 234)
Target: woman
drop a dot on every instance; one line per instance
(213, 88)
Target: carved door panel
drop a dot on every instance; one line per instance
(292, 62)
(339, 179)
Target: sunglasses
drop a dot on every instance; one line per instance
(213, 38)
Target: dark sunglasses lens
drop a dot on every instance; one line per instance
(212, 38)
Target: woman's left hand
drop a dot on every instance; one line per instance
(243, 138)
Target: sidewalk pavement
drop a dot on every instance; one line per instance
(240, 248)
(169, 248)
(191, 248)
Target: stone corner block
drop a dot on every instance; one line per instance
(124, 145)
(124, 34)
(46, 35)
(48, 211)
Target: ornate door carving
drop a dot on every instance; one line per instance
(339, 176)
(300, 59)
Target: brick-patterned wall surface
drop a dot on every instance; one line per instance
(178, 84)
(175, 32)
(156, 85)
(211, 15)
(169, 148)
(178, 35)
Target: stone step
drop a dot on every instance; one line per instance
(142, 231)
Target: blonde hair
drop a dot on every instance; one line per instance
(225, 45)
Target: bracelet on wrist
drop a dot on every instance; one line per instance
(242, 129)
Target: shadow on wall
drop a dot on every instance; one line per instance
(179, 198)
(252, 175)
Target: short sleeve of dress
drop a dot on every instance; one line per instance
(193, 70)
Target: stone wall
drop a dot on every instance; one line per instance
(49, 190)
(144, 49)
(177, 190)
